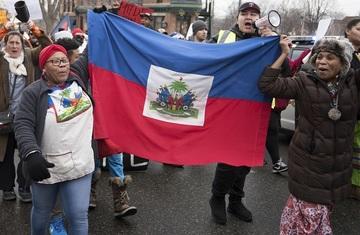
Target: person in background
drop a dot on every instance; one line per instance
(200, 31)
(63, 34)
(163, 31)
(146, 20)
(80, 37)
(53, 128)
(18, 69)
(72, 48)
(118, 182)
(177, 35)
(352, 33)
(326, 91)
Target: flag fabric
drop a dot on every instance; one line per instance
(176, 101)
(66, 23)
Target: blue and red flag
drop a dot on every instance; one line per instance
(177, 101)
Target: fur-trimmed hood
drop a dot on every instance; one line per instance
(341, 48)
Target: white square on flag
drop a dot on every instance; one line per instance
(176, 97)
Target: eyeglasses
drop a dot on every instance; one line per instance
(58, 62)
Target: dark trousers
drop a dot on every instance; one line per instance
(7, 167)
(229, 180)
(272, 138)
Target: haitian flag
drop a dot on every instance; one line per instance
(177, 101)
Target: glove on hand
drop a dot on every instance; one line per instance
(35, 167)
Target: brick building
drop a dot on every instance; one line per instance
(173, 15)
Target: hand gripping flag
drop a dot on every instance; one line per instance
(177, 101)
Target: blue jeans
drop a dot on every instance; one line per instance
(74, 195)
(115, 165)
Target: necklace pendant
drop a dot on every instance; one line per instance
(334, 114)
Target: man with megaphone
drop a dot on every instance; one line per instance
(231, 179)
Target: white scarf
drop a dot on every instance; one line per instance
(16, 65)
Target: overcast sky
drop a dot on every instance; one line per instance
(349, 7)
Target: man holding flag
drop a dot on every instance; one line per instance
(231, 179)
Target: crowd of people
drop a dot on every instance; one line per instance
(46, 89)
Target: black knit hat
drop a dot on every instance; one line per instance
(198, 25)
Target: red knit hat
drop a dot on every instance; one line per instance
(76, 31)
(48, 51)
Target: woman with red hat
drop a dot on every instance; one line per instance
(53, 128)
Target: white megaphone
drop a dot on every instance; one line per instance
(272, 19)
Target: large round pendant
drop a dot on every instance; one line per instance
(334, 114)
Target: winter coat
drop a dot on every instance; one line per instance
(31, 60)
(320, 151)
(29, 137)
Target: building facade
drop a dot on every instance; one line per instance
(172, 15)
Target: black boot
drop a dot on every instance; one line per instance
(218, 212)
(237, 208)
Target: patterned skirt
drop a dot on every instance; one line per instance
(305, 218)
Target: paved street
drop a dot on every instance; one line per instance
(175, 201)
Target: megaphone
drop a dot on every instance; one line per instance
(22, 11)
(272, 19)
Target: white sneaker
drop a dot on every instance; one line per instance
(280, 166)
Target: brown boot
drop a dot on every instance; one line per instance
(94, 180)
(121, 197)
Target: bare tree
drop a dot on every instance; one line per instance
(51, 12)
(291, 18)
(314, 11)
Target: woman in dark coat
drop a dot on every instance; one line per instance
(320, 153)
(16, 63)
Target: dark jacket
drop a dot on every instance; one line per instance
(320, 151)
(30, 117)
(355, 63)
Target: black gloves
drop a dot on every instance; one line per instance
(35, 167)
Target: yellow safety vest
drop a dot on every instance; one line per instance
(226, 36)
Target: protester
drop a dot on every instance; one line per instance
(57, 219)
(118, 182)
(326, 93)
(80, 37)
(53, 127)
(231, 179)
(177, 35)
(62, 34)
(17, 66)
(352, 33)
(200, 31)
(277, 106)
(146, 20)
(162, 31)
(72, 48)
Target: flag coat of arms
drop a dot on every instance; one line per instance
(177, 101)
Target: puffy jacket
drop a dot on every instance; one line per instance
(320, 151)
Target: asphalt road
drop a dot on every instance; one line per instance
(175, 201)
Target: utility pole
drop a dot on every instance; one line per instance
(211, 4)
